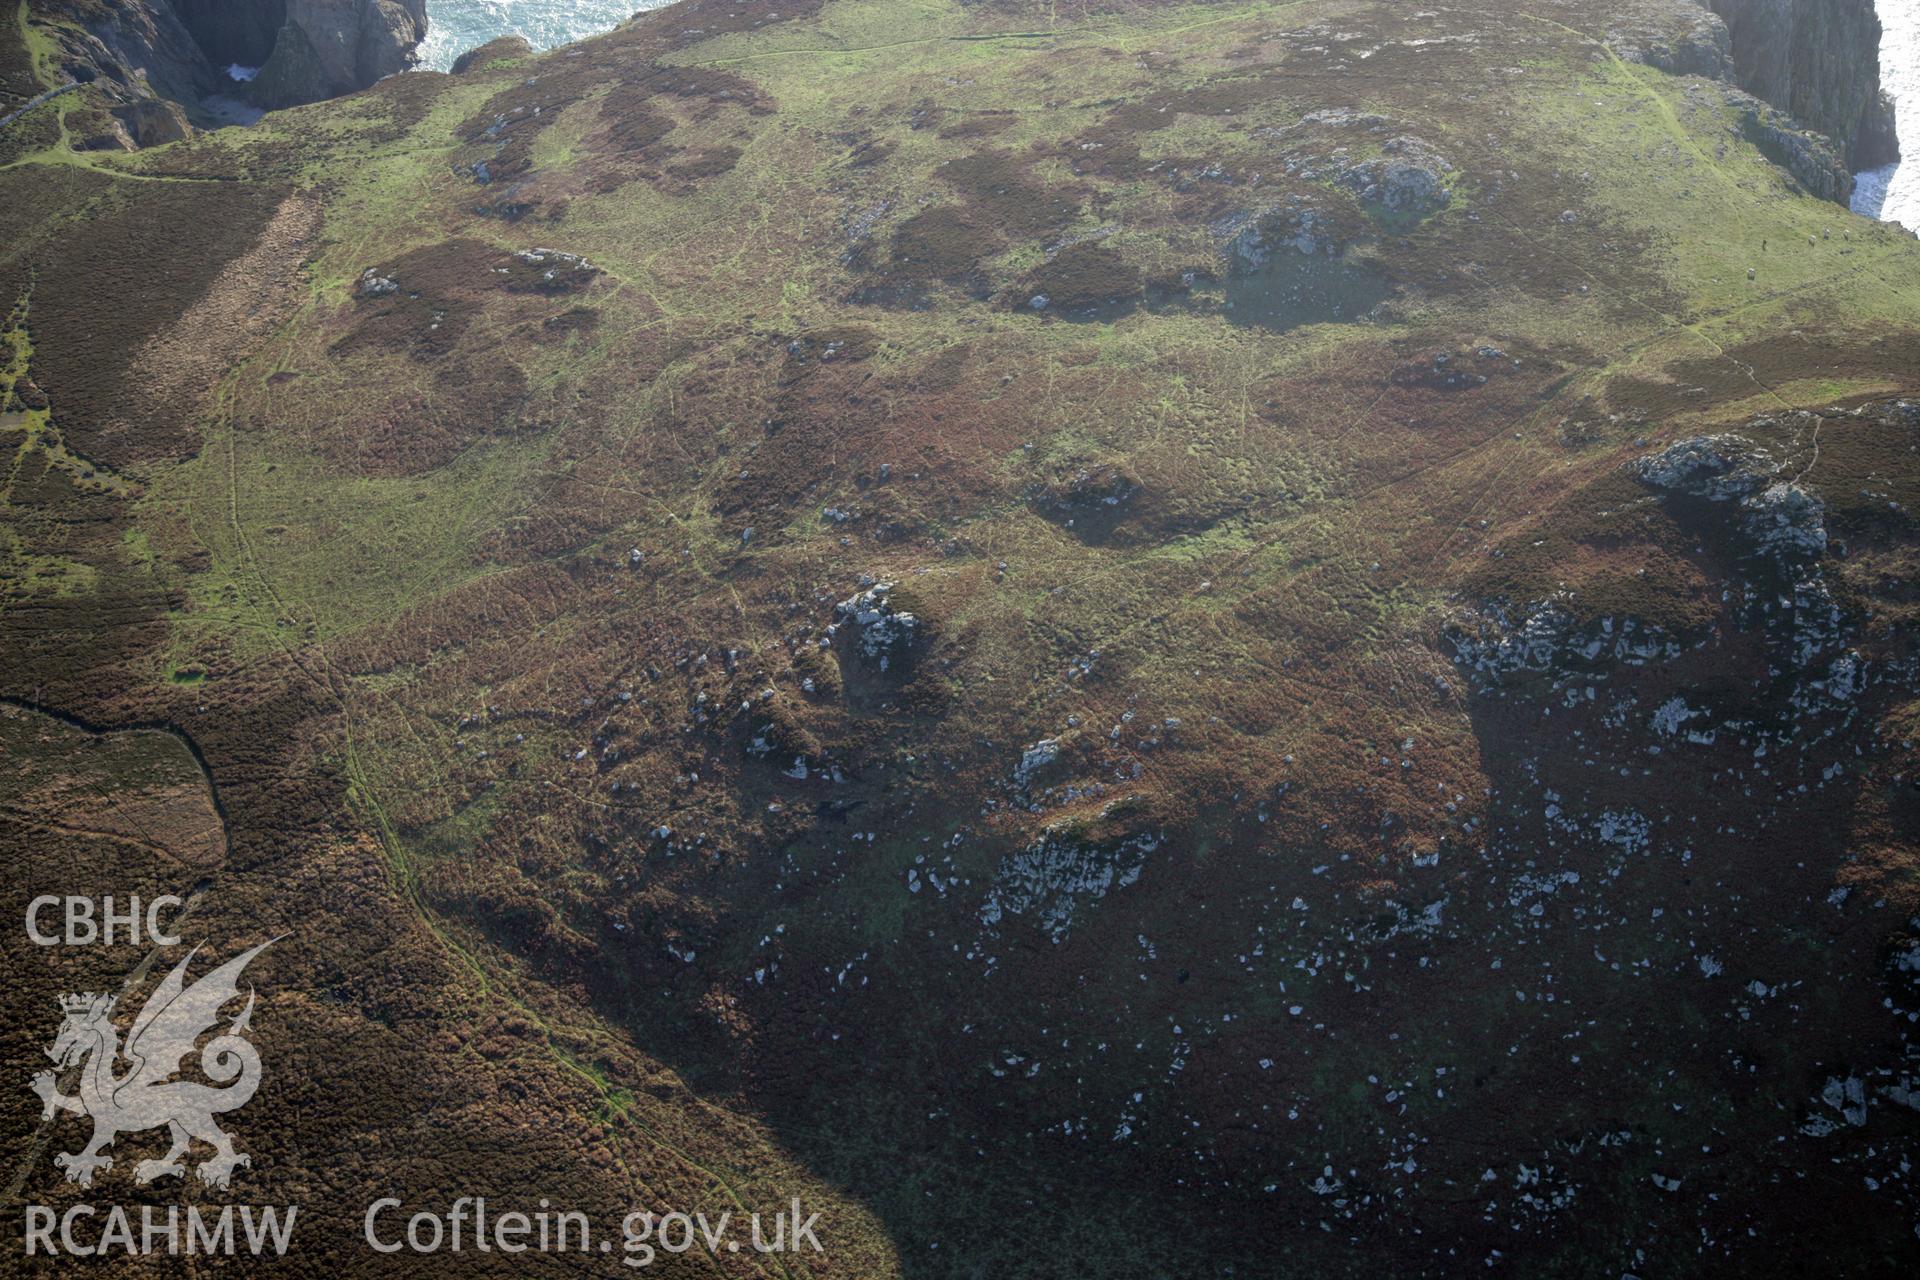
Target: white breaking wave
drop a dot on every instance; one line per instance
(455, 26)
(1892, 194)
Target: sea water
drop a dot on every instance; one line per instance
(455, 26)
(1892, 194)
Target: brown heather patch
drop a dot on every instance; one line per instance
(397, 429)
(73, 649)
(17, 79)
(941, 243)
(441, 288)
(1004, 195)
(633, 128)
(1611, 553)
(1884, 833)
(1829, 352)
(709, 162)
(979, 124)
(121, 272)
(1083, 277)
(452, 295)
(250, 298)
(1112, 146)
(34, 204)
(1868, 473)
(402, 102)
(870, 152)
(634, 109)
(574, 320)
(945, 368)
(709, 84)
(907, 456)
(693, 21)
(1355, 415)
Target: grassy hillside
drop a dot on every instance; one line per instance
(1252, 834)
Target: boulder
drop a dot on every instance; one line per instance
(1252, 239)
(876, 634)
(1408, 179)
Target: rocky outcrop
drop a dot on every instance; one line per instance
(151, 122)
(1060, 877)
(1684, 41)
(1807, 154)
(329, 47)
(1778, 520)
(1818, 60)
(128, 126)
(879, 634)
(1408, 180)
(132, 49)
(179, 52)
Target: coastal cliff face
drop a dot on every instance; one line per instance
(326, 48)
(1819, 60)
(1804, 76)
(179, 50)
(141, 47)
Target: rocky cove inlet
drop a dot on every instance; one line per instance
(1891, 193)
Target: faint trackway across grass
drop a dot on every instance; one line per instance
(400, 864)
(1088, 30)
(1669, 324)
(62, 154)
(1271, 536)
(1682, 136)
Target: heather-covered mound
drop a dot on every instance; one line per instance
(1105, 639)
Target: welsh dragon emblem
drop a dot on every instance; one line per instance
(143, 1095)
